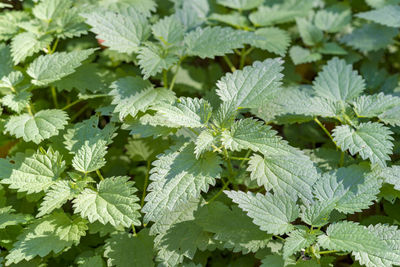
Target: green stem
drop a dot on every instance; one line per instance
(171, 87)
(99, 174)
(134, 230)
(278, 237)
(327, 252)
(229, 63)
(341, 162)
(219, 192)
(165, 78)
(54, 46)
(77, 114)
(72, 104)
(238, 158)
(325, 130)
(146, 181)
(54, 95)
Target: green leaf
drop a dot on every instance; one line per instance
(9, 22)
(90, 156)
(274, 40)
(154, 59)
(8, 217)
(250, 87)
(351, 237)
(114, 202)
(131, 95)
(56, 196)
(371, 140)
(387, 15)
(300, 55)
(122, 31)
(285, 174)
(26, 44)
(391, 175)
(204, 142)
(240, 4)
(35, 173)
(350, 189)
(52, 233)
(316, 213)
(297, 240)
(125, 250)
(50, 68)
(6, 63)
(169, 30)
(338, 81)
(390, 236)
(232, 227)
(37, 127)
(16, 102)
(50, 9)
(281, 13)
(383, 106)
(310, 34)
(87, 77)
(178, 176)
(370, 37)
(185, 112)
(332, 20)
(216, 41)
(88, 130)
(273, 213)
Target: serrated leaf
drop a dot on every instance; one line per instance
(90, 156)
(338, 81)
(35, 173)
(310, 34)
(125, 250)
(388, 15)
(16, 102)
(250, 87)
(240, 4)
(122, 31)
(185, 112)
(37, 127)
(8, 217)
(351, 189)
(273, 213)
(169, 30)
(131, 95)
(300, 55)
(87, 77)
(385, 107)
(203, 143)
(9, 22)
(178, 176)
(316, 213)
(154, 59)
(56, 196)
(50, 68)
(331, 20)
(85, 131)
(371, 140)
(370, 37)
(114, 202)
(216, 41)
(290, 175)
(52, 233)
(297, 240)
(390, 236)
(361, 241)
(50, 9)
(232, 227)
(26, 44)
(280, 13)
(275, 40)
(391, 175)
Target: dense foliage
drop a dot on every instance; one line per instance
(200, 133)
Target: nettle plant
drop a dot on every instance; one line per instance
(143, 133)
